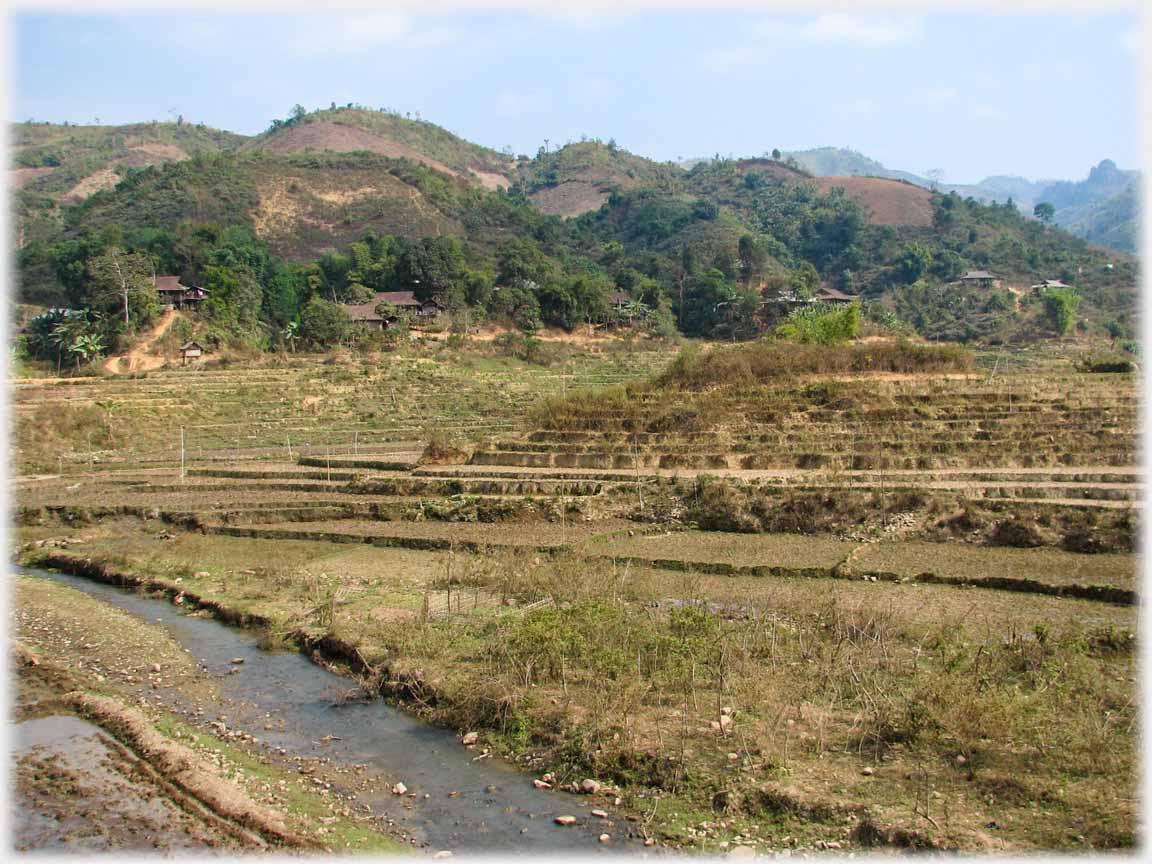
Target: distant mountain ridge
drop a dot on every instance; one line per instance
(1101, 208)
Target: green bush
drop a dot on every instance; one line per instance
(821, 324)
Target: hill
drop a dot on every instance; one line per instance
(842, 162)
(338, 202)
(343, 130)
(1075, 201)
(1112, 222)
(580, 177)
(55, 165)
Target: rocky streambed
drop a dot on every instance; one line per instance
(421, 782)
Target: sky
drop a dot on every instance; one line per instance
(971, 93)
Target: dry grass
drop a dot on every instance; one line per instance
(823, 677)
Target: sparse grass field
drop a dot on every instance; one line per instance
(730, 598)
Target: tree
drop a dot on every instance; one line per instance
(123, 279)
(1044, 212)
(323, 323)
(822, 324)
(776, 154)
(86, 347)
(753, 256)
(1114, 329)
(1060, 305)
(291, 334)
(913, 262)
(433, 268)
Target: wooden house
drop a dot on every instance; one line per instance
(830, 295)
(190, 351)
(178, 296)
(365, 314)
(979, 279)
(1048, 285)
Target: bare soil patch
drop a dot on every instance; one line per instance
(570, 198)
(888, 202)
(339, 138)
(18, 178)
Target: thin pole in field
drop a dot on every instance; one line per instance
(288, 441)
(181, 453)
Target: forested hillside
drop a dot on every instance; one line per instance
(330, 207)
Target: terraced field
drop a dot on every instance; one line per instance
(451, 516)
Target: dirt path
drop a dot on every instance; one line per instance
(138, 359)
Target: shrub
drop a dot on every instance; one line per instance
(821, 324)
(1105, 363)
(756, 362)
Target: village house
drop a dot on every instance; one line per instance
(177, 296)
(828, 294)
(979, 279)
(190, 351)
(403, 301)
(1048, 285)
(618, 300)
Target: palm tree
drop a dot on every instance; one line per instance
(635, 309)
(291, 333)
(86, 347)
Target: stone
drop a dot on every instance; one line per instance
(155, 667)
(960, 760)
(605, 838)
(469, 739)
(732, 757)
(201, 574)
(649, 841)
(236, 661)
(541, 784)
(868, 771)
(725, 712)
(443, 853)
(565, 820)
(600, 814)
(399, 789)
(589, 786)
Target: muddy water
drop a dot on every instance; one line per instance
(484, 806)
(70, 796)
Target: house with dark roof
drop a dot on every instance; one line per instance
(178, 296)
(403, 301)
(979, 279)
(828, 294)
(1048, 285)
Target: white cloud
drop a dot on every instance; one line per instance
(839, 27)
(355, 33)
(589, 17)
(859, 107)
(934, 96)
(1131, 39)
(513, 103)
(985, 110)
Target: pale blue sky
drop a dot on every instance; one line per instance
(972, 93)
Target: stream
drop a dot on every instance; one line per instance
(495, 807)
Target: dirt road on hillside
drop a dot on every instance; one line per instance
(138, 359)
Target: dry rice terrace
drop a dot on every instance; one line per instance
(857, 609)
